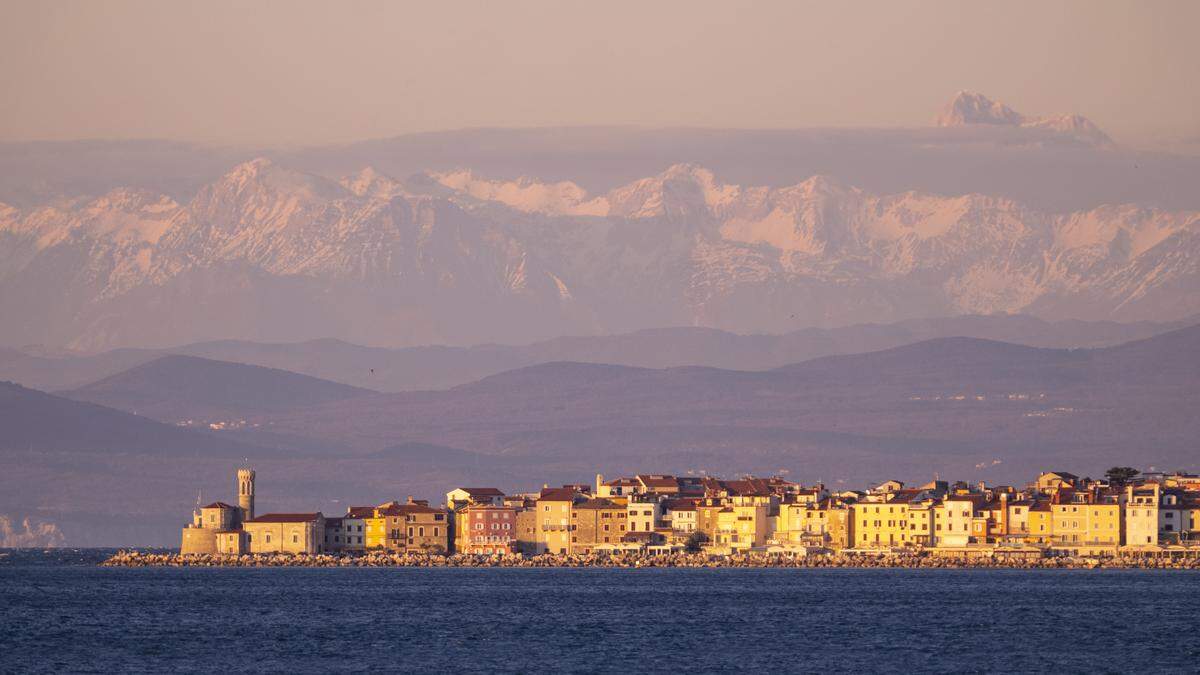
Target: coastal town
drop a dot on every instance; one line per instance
(1126, 513)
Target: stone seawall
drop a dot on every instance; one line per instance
(1190, 561)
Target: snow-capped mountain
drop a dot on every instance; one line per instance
(269, 253)
(970, 108)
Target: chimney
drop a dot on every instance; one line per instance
(599, 482)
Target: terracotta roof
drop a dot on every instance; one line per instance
(482, 491)
(360, 512)
(396, 509)
(749, 487)
(218, 505)
(557, 495)
(658, 481)
(286, 518)
(679, 505)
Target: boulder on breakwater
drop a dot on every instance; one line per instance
(905, 560)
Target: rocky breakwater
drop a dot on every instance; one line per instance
(913, 560)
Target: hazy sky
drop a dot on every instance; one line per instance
(299, 72)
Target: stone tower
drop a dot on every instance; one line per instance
(245, 478)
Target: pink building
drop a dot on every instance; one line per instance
(490, 529)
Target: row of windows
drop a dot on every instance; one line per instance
(420, 532)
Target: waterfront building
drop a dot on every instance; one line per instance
(286, 533)
(553, 520)
(644, 512)
(881, 524)
(457, 501)
(743, 523)
(1154, 515)
(597, 522)
(527, 527)
(959, 520)
(209, 522)
(488, 529)
(413, 527)
(1085, 517)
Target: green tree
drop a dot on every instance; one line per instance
(1120, 476)
(694, 541)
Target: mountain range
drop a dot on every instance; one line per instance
(271, 254)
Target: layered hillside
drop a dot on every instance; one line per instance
(188, 390)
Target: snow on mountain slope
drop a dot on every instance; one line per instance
(269, 253)
(525, 194)
(970, 108)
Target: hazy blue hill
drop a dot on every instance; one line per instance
(952, 402)
(965, 408)
(438, 367)
(178, 387)
(34, 421)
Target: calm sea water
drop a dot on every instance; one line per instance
(59, 612)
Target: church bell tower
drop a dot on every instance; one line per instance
(245, 479)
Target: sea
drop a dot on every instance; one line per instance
(61, 612)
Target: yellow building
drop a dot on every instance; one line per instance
(410, 527)
(1040, 523)
(1081, 523)
(812, 524)
(553, 519)
(744, 523)
(905, 519)
(375, 531)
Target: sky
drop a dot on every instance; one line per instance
(306, 72)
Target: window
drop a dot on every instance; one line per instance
(295, 538)
(268, 537)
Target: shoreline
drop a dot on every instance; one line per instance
(922, 560)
